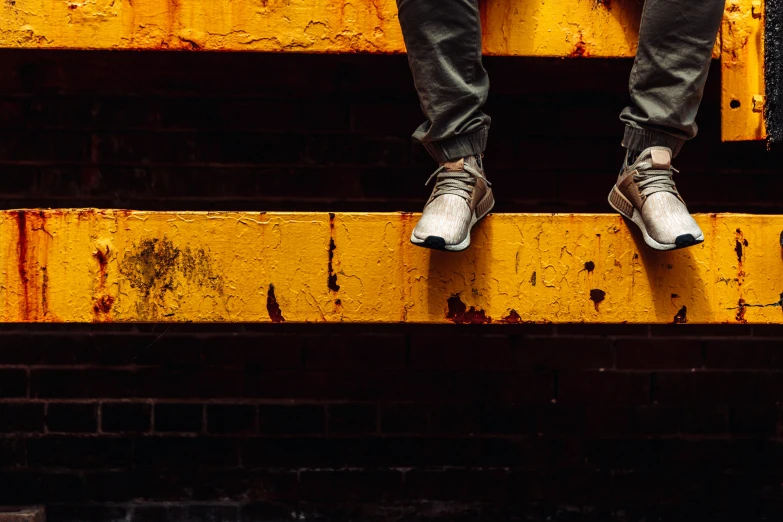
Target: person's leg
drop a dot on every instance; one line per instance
(444, 52)
(676, 39)
(443, 41)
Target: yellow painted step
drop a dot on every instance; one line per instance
(123, 266)
(511, 27)
(742, 71)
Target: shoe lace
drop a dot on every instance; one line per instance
(456, 182)
(649, 180)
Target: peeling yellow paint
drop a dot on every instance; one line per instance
(123, 266)
(742, 72)
(607, 28)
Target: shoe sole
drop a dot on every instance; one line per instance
(626, 209)
(483, 208)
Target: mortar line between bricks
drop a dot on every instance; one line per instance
(687, 436)
(279, 402)
(426, 371)
(300, 131)
(726, 338)
(207, 95)
(300, 164)
(303, 132)
(157, 503)
(59, 470)
(129, 367)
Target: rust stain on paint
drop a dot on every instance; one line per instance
(103, 302)
(32, 253)
(580, 48)
(156, 268)
(151, 266)
(44, 291)
(196, 266)
(22, 247)
(741, 311)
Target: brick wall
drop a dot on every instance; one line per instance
(296, 422)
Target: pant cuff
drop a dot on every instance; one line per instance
(639, 139)
(458, 147)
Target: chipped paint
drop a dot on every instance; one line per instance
(331, 280)
(682, 316)
(156, 268)
(31, 263)
(21, 261)
(123, 266)
(580, 47)
(597, 296)
(103, 302)
(459, 313)
(272, 307)
(512, 318)
(739, 242)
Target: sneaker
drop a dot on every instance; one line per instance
(645, 194)
(462, 195)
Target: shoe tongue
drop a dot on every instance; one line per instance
(454, 165)
(458, 165)
(660, 158)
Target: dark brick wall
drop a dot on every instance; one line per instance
(304, 132)
(287, 422)
(298, 422)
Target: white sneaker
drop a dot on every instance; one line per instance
(462, 196)
(645, 193)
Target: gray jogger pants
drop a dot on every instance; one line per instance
(443, 38)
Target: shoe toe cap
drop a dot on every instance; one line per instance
(447, 220)
(668, 222)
